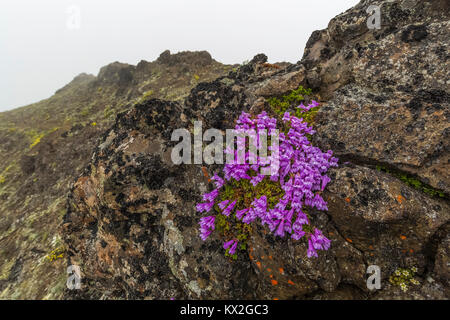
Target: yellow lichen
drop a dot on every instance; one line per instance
(56, 254)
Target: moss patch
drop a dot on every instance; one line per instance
(281, 104)
(414, 182)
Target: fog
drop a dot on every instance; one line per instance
(45, 44)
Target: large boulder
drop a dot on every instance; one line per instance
(131, 223)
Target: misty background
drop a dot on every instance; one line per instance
(45, 44)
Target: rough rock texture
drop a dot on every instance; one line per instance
(44, 146)
(131, 223)
(388, 88)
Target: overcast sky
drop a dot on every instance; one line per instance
(44, 44)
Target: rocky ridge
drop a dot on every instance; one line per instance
(131, 223)
(44, 146)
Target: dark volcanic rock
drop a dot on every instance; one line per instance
(131, 222)
(388, 89)
(46, 145)
(138, 237)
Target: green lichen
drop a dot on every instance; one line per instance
(404, 277)
(413, 182)
(86, 111)
(108, 112)
(244, 193)
(5, 172)
(147, 95)
(36, 139)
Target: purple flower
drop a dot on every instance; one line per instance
(228, 209)
(205, 207)
(223, 204)
(218, 181)
(301, 175)
(315, 104)
(311, 251)
(240, 213)
(210, 196)
(233, 244)
(298, 234)
(319, 241)
(325, 180)
(257, 179)
(206, 226)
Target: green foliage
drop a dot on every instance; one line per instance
(244, 193)
(402, 277)
(2, 179)
(222, 225)
(307, 116)
(234, 256)
(413, 182)
(281, 104)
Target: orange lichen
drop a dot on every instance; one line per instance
(269, 65)
(281, 270)
(258, 264)
(268, 269)
(349, 240)
(347, 199)
(290, 282)
(274, 282)
(271, 276)
(400, 199)
(270, 257)
(205, 173)
(403, 237)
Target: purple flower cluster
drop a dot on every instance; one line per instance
(206, 226)
(313, 104)
(302, 177)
